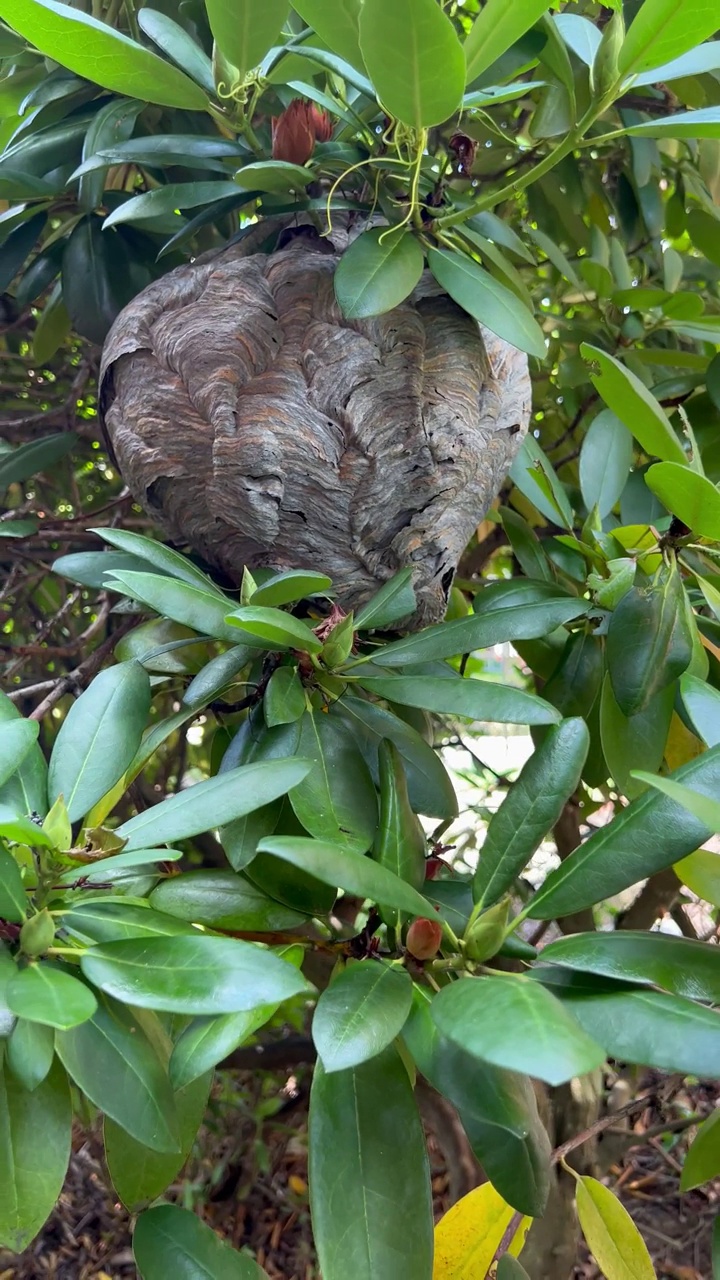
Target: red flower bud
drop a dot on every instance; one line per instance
(295, 132)
(424, 938)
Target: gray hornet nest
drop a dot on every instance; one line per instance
(260, 427)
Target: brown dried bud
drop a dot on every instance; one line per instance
(424, 938)
(464, 149)
(295, 132)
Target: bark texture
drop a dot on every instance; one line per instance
(260, 427)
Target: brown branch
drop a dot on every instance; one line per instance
(83, 674)
(605, 1122)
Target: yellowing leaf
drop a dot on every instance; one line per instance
(681, 745)
(467, 1237)
(611, 1235)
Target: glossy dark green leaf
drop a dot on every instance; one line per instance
(419, 80)
(90, 568)
(113, 124)
(99, 737)
(162, 558)
(111, 920)
(496, 1019)
(13, 255)
(630, 400)
(217, 675)
(575, 682)
(244, 30)
(286, 588)
(272, 629)
(378, 272)
(336, 800)
(202, 610)
(649, 1028)
(702, 704)
(179, 46)
(606, 457)
(702, 58)
(647, 836)
(97, 278)
(400, 843)
(662, 30)
(536, 479)
(44, 994)
(13, 897)
(160, 150)
(526, 546)
(33, 457)
(29, 1052)
(163, 201)
(52, 328)
(497, 1108)
(689, 496)
(345, 869)
(495, 29)
(98, 52)
(488, 626)
(169, 1240)
(475, 699)
(702, 807)
(203, 974)
(487, 300)
(337, 25)
(22, 830)
(284, 700)
(531, 809)
(392, 603)
(702, 1162)
(685, 124)
(649, 642)
(113, 1061)
(139, 1175)
(35, 1131)
(430, 789)
(212, 803)
(632, 741)
(360, 1014)
(207, 1040)
(224, 900)
(678, 965)
(370, 1188)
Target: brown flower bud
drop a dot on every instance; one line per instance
(295, 132)
(424, 938)
(322, 124)
(464, 149)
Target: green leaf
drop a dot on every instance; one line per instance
(648, 642)
(114, 1063)
(498, 1111)
(336, 799)
(487, 626)
(112, 124)
(665, 29)
(179, 46)
(13, 255)
(338, 67)
(273, 175)
(244, 30)
(35, 456)
(99, 737)
(98, 278)
(702, 704)
(284, 701)
(169, 1240)
(288, 587)
(611, 1234)
(430, 789)
(370, 1188)
(392, 603)
(344, 869)
(630, 400)
(13, 898)
(488, 301)
(29, 1052)
(606, 457)
(163, 559)
(495, 1019)
(203, 974)
(90, 568)
(378, 272)
(140, 1175)
(400, 843)
(162, 201)
(678, 965)
(212, 803)
(41, 993)
(413, 58)
(52, 328)
(97, 52)
(536, 480)
(580, 34)
(705, 809)
(700, 871)
(35, 1131)
(701, 59)
(531, 809)
(272, 629)
(206, 1041)
(686, 124)
(217, 675)
(702, 1162)
(474, 699)
(203, 611)
(22, 830)
(360, 1014)
(337, 25)
(496, 29)
(224, 900)
(629, 849)
(163, 149)
(110, 920)
(689, 496)
(644, 1027)
(629, 741)
(509, 1268)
